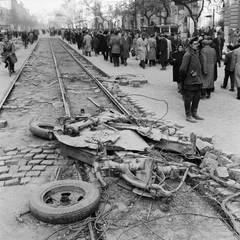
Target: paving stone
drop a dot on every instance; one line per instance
(4, 169)
(34, 162)
(47, 162)
(2, 163)
(40, 156)
(221, 172)
(6, 176)
(224, 191)
(39, 168)
(51, 156)
(12, 182)
(223, 161)
(2, 183)
(22, 162)
(19, 175)
(235, 158)
(5, 158)
(9, 149)
(48, 151)
(25, 150)
(18, 156)
(203, 146)
(216, 152)
(29, 156)
(21, 148)
(25, 180)
(3, 123)
(34, 146)
(33, 174)
(234, 174)
(13, 169)
(24, 168)
(11, 162)
(37, 150)
(11, 153)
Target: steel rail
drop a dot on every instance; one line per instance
(100, 85)
(17, 77)
(63, 92)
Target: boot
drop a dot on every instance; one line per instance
(6, 64)
(143, 64)
(197, 117)
(190, 119)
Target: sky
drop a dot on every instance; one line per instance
(36, 6)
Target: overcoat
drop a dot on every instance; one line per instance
(191, 63)
(87, 43)
(162, 48)
(8, 49)
(208, 60)
(177, 57)
(125, 47)
(142, 48)
(152, 48)
(235, 66)
(115, 43)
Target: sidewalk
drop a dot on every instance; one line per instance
(221, 111)
(5, 80)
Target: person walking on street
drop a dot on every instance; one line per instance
(8, 50)
(228, 72)
(176, 61)
(126, 45)
(191, 73)
(87, 44)
(152, 50)
(142, 44)
(162, 48)
(115, 44)
(235, 66)
(208, 59)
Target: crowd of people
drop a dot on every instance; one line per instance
(195, 61)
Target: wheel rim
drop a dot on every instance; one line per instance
(63, 196)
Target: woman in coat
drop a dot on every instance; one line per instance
(208, 60)
(125, 48)
(176, 61)
(152, 50)
(115, 44)
(142, 44)
(235, 66)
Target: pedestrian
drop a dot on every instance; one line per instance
(176, 61)
(78, 39)
(95, 44)
(235, 66)
(135, 47)
(87, 44)
(142, 44)
(208, 59)
(228, 72)
(115, 44)
(104, 47)
(191, 73)
(169, 49)
(162, 48)
(126, 43)
(152, 50)
(230, 37)
(8, 50)
(219, 41)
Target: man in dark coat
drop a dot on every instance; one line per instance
(191, 73)
(104, 47)
(219, 41)
(78, 39)
(162, 48)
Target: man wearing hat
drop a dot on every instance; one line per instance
(190, 71)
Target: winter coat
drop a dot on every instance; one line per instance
(87, 43)
(8, 49)
(115, 43)
(191, 62)
(142, 48)
(152, 48)
(176, 61)
(135, 47)
(162, 48)
(208, 60)
(125, 47)
(235, 66)
(228, 60)
(95, 42)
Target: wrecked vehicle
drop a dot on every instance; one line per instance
(114, 145)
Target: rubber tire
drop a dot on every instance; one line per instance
(42, 130)
(65, 215)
